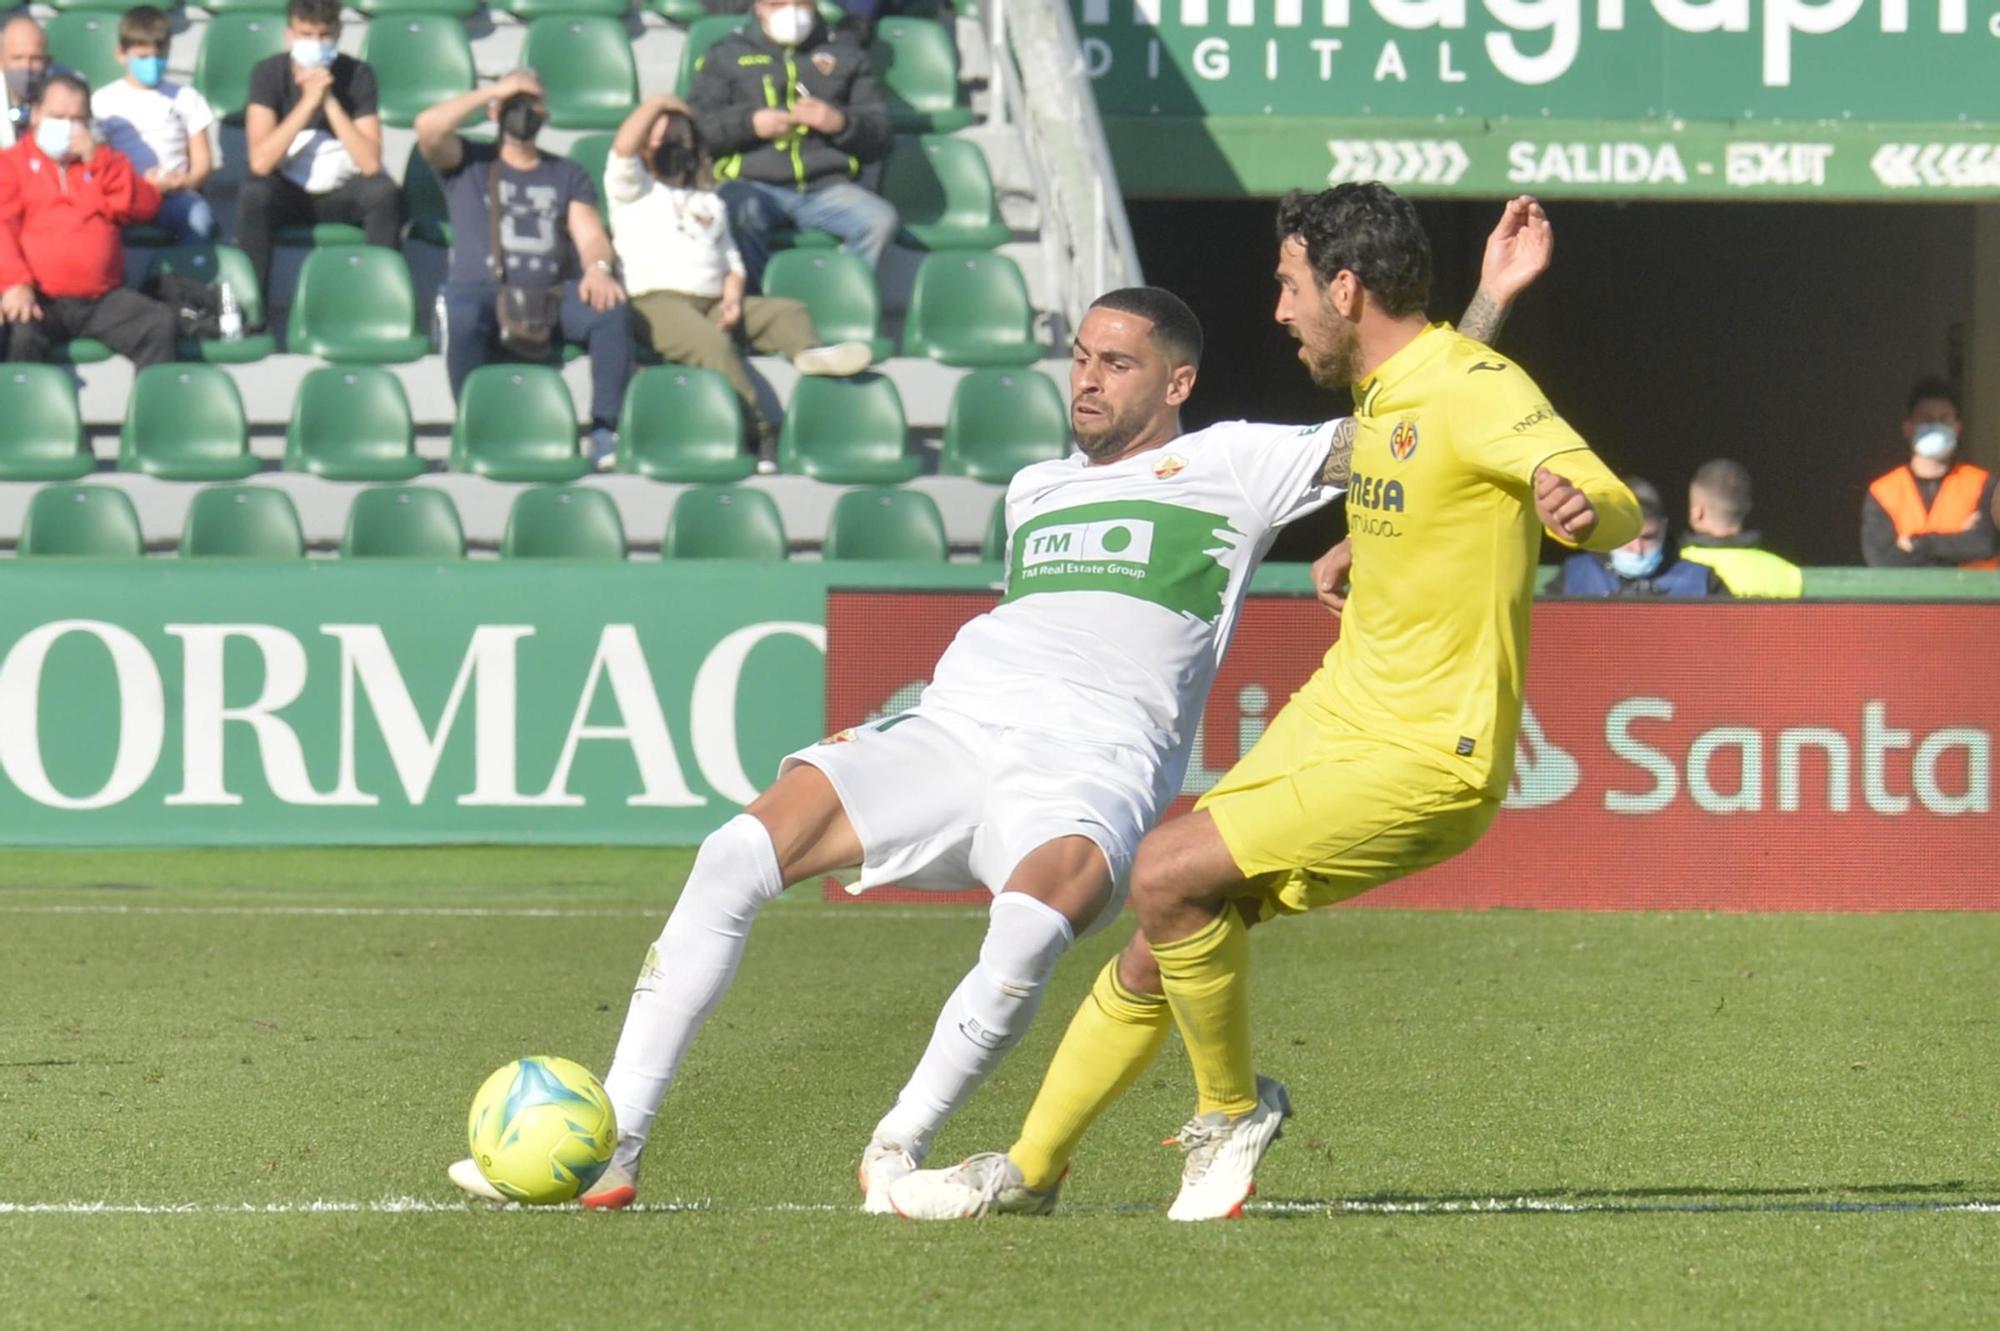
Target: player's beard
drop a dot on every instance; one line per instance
(1113, 435)
(1333, 358)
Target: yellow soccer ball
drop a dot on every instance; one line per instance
(542, 1130)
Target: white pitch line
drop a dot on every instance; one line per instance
(825, 911)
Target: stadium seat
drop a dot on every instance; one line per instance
(86, 40)
(563, 522)
(683, 12)
(847, 431)
(1002, 420)
(724, 522)
(419, 61)
(529, 10)
(590, 152)
(970, 309)
(682, 424)
(944, 194)
(458, 9)
(185, 423)
(879, 523)
(994, 548)
(839, 289)
(215, 265)
(243, 6)
(242, 522)
(94, 521)
(352, 423)
(917, 60)
(356, 304)
(232, 44)
(41, 426)
(517, 423)
(314, 235)
(586, 68)
(701, 34)
(426, 216)
(403, 522)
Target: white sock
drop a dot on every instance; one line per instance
(690, 967)
(984, 1018)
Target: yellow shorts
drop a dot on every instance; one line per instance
(1319, 811)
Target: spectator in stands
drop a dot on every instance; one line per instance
(1645, 566)
(63, 197)
(685, 274)
(792, 112)
(161, 127)
(24, 63)
(314, 142)
(552, 243)
(1931, 512)
(1718, 506)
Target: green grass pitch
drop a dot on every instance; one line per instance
(1505, 1119)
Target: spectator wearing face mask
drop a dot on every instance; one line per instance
(161, 126)
(24, 63)
(1644, 566)
(685, 274)
(1931, 512)
(63, 198)
(1718, 507)
(314, 140)
(792, 112)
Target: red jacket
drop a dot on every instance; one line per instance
(59, 225)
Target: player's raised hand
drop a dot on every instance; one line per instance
(1330, 572)
(1563, 508)
(1518, 251)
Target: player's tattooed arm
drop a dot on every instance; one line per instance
(1483, 318)
(1339, 465)
(1517, 253)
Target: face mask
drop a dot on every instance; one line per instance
(1935, 441)
(790, 25)
(674, 160)
(520, 118)
(20, 84)
(52, 136)
(309, 53)
(1632, 564)
(148, 69)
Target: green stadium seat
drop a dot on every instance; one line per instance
(243, 7)
(839, 289)
(586, 68)
(356, 304)
(917, 60)
(352, 423)
(86, 40)
(591, 152)
(1002, 420)
(232, 44)
(458, 9)
(529, 10)
(215, 265)
(41, 426)
(970, 309)
(944, 194)
(881, 523)
(82, 351)
(724, 522)
(316, 235)
(847, 431)
(426, 216)
(81, 521)
(702, 34)
(563, 522)
(242, 522)
(185, 423)
(681, 423)
(419, 61)
(683, 12)
(517, 423)
(403, 522)
(994, 548)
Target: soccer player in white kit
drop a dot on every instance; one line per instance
(1054, 733)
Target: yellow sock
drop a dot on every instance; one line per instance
(1110, 1041)
(1207, 979)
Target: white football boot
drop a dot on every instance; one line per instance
(988, 1184)
(618, 1186)
(1220, 1172)
(882, 1163)
(465, 1173)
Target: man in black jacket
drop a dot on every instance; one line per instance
(792, 112)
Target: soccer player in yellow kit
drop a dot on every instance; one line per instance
(1396, 753)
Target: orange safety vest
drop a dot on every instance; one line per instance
(1956, 502)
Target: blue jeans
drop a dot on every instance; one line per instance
(472, 333)
(865, 221)
(187, 215)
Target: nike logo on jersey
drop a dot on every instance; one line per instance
(1477, 366)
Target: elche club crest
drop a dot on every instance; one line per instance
(1170, 466)
(1403, 440)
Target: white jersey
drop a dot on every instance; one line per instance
(1124, 582)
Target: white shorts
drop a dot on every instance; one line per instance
(940, 800)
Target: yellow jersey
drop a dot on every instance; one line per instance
(1433, 643)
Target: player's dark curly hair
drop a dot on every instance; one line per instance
(1372, 232)
(1176, 332)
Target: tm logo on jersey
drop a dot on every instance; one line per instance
(1163, 553)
